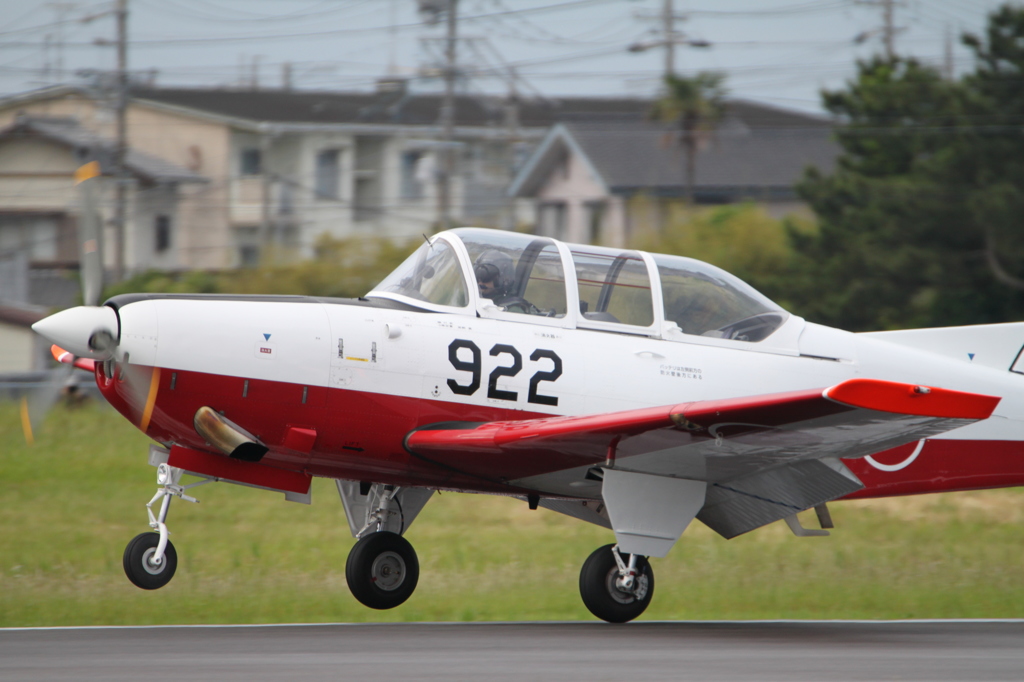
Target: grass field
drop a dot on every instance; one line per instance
(69, 504)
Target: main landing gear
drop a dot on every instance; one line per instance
(382, 569)
(150, 559)
(614, 587)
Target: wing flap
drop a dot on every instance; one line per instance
(736, 507)
(713, 441)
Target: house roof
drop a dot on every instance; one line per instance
(397, 107)
(410, 108)
(91, 146)
(737, 158)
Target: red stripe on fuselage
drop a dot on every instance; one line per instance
(360, 436)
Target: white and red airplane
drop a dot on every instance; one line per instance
(631, 390)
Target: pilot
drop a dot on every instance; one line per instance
(495, 278)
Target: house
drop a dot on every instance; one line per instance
(39, 206)
(284, 167)
(599, 181)
(23, 349)
(280, 168)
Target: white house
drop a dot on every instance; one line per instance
(585, 176)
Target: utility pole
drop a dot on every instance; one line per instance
(444, 180)
(121, 146)
(668, 37)
(512, 128)
(266, 224)
(61, 11)
(948, 70)
(888, 28)
(667, 17)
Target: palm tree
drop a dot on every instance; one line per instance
(695, 105)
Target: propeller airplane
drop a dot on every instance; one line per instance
(631, 390)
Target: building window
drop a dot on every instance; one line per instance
(247, 240)
(162, 232)
(249, 255)
(286, 199)
(413, 170)
(327, 174)
(252, 161)
(552, 220)
(595, 221)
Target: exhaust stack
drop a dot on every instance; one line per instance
(228, 437)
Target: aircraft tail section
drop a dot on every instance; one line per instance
(997, 346)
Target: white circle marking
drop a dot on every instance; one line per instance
(902, 465)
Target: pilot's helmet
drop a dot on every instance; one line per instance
(497, 267)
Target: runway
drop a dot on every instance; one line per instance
(788, 651)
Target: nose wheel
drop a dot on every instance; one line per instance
(616, 588)
(142, 565)
(382, 570)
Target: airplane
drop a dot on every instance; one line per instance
(631, 390)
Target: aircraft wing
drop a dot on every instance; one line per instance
(763, 457)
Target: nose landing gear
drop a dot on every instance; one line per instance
(614, 589)
(150, 559)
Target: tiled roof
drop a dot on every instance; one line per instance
(280, 106)
(735, 159)
(648, 156)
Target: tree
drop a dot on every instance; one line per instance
(919, 224)
(739, 238)
(990, 165)
(695, 105)
(345, 268)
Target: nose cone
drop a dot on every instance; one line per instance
(86, 331)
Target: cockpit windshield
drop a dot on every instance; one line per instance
(706, 301)
(432, 273)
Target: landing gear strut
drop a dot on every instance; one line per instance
(616, 588)
(150, 559)
(382, 569)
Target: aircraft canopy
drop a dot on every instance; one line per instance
(493, 273)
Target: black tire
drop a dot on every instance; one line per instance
(138, 568)
(600, 595)
(382, 570)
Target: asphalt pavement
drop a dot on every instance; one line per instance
(789, 651)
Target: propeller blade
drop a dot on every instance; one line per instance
(90, 234)
(39, 401)
(87, 330)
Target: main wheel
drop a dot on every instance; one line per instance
(139, 566)
(382, 570)
(604, 598)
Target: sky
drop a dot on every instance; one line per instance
(781, 52)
